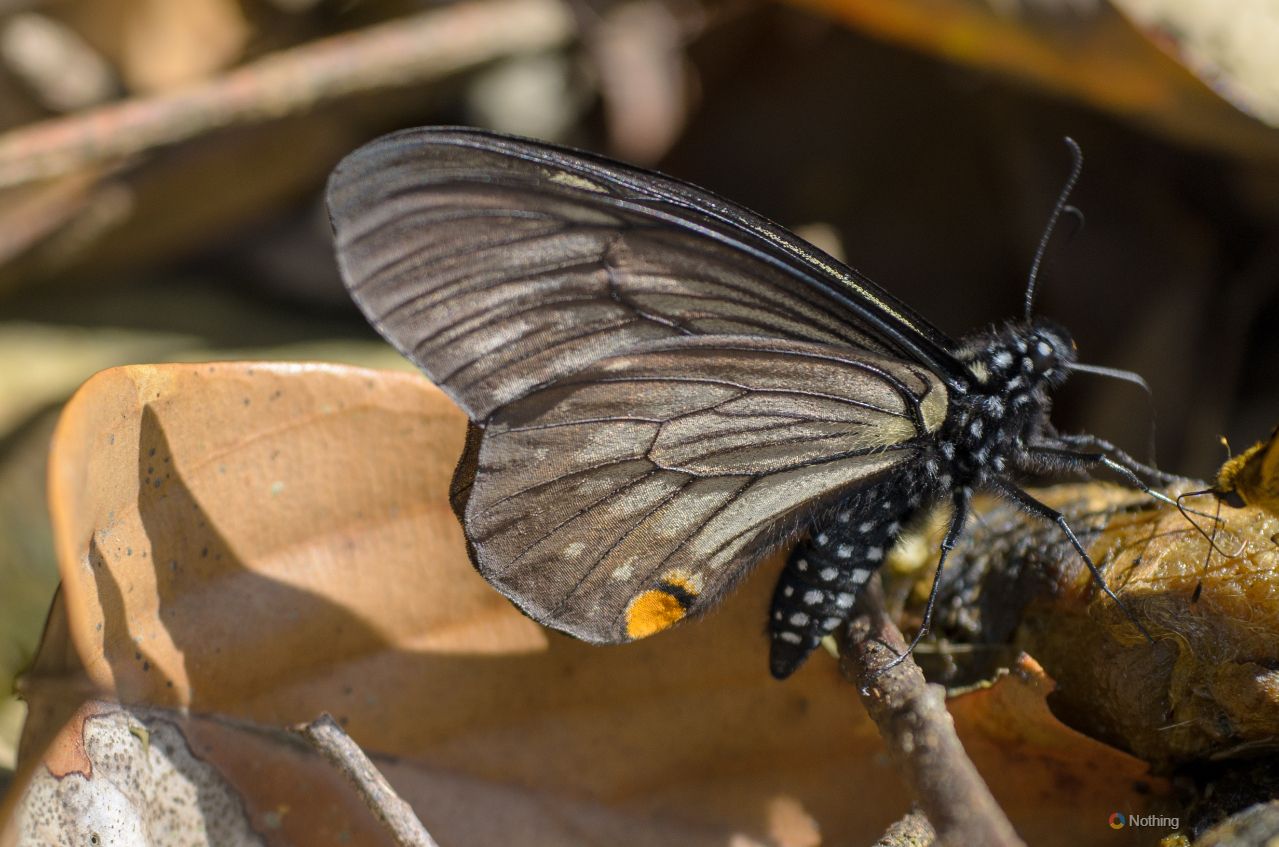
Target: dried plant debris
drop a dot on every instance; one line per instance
(1233, 803)
(1208, 685)
(131, 780)
(1258, 825)
(59, 66)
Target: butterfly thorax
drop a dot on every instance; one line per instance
(988, 426)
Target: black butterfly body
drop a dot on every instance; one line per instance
(664, 387)
(986, 435)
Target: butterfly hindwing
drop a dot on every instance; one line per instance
(610, 520)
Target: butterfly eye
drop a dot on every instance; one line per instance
(1043, 355)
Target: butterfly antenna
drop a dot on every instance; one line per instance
(1137, 380)
(1114, 373)
(1049, 258)
(1077, 167)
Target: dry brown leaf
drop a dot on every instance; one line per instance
(54, 686)
(1023, 750)
(1234, 49)
(159, 45)
(55, 63)
(270, 541)
(266, 541)
(1091, 53)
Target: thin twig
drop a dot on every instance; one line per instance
(912, 718)
(402, 52)
(911, 830)
(334, 744)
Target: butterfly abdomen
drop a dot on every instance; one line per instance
(816, 591)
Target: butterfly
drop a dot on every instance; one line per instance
(1252, 477)
(663, 386)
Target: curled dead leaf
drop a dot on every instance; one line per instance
(265, 542)
(1087, 51)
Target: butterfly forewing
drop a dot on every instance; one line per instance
(664, 384)
(500, 266)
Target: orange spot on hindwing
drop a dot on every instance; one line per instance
(662, 607)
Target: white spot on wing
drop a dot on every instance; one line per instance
(575, 181)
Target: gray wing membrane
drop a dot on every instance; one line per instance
(496, 278)
(578, 506)
(463, 154)
(656, 390)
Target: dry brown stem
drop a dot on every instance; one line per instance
(912, 718)
(343, 753)
(401, 52)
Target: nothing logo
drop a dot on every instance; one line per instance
(1118, 820)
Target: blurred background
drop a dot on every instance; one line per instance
(162, 167)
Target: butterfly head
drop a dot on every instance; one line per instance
(1050, 351)
(1029, 355)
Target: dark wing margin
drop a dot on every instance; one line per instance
(677, 464)
(500, 265)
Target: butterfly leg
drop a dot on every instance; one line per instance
(1046, 512)
(1117, 457)
(815, 592)
(1069, 459)
(1072, 460)
(957, 520)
